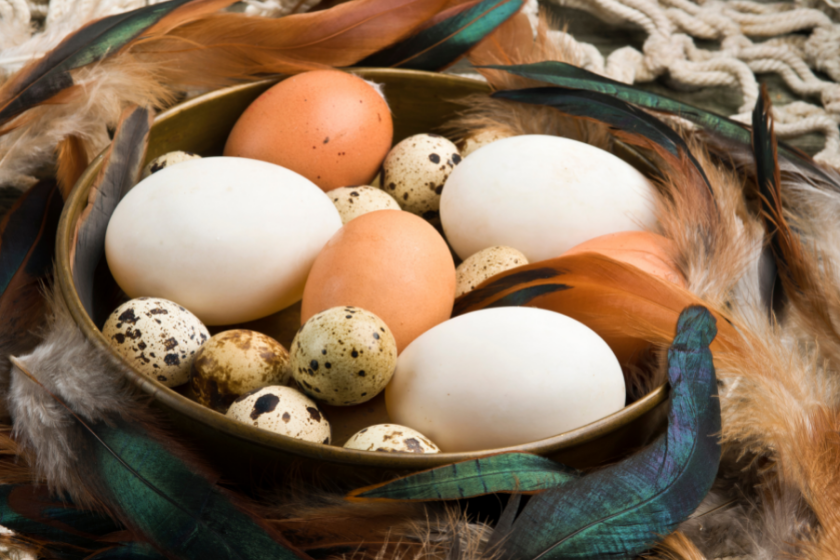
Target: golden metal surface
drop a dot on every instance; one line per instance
(420, 102)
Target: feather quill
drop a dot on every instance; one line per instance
(622, 510)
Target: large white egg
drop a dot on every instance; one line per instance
(542, 195)
(230, 239)
(500, 377)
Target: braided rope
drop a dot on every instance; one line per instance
(673, 25)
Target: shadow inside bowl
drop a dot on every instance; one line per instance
(420, 102)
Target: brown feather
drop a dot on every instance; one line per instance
(676, 546)
(221, 48)
(72, 162)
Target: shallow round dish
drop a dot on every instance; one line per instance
(420, 102)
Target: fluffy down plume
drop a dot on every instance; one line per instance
(87, 379)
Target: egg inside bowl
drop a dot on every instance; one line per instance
(420, 102)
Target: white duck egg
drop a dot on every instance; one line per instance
(157, 337)
(282, 410)
(542, 195)
(391, 438)
(503, 377)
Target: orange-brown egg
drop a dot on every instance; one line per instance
(391, 263)
(647, 251)
(330, 126)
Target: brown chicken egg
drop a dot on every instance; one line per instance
(391, 263)
(332, 127)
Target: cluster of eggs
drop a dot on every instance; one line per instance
(289, 214)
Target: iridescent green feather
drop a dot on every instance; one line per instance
(510, 472)
(443, 43)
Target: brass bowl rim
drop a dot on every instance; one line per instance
(76, 203)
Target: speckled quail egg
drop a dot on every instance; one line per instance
(166, 160)
(352, 202)
(391, 437)
(234, 362)
(481, 138)
(157, 337)
(282, 410)
(343, 356)
(484, 264)
(415, 171)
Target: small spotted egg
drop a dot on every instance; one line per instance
(481, 138)
(352, 202)
(157, 337)
(343, 356)
(391, 437)
(282, 410)
(484, 264)
(166, 160)
(234, 362)
(415, 171)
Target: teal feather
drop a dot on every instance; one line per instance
(91, 43)
(769, 188)
(27, 246)
(622, 510)
(69, 532)
(568, 76)
(511, 472)
(178, 510)
(612, 111)
(444, 42)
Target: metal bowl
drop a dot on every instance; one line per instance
(420, 102)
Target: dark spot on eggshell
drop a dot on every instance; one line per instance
(434, 158)
(128, 316)
(327, 140)
(264, 404)
(141, 345)
(376, 336)
(119, 337)
(413, 445)
(456, 159)
(324, 351)
(439, 189)
(172, 360)
(161, 378)
(286, 417)
(133, 335)
(354, 193)
(327, 365)
(314, 413)
(405, 196)
(159, 311)
(361, 373)
(170, 343)
(314, 365)
(354, 353)
(156, 167)
(392, 186)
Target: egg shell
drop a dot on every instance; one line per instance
(167, 160)
(416, 170)
(486, 264)
(542, 195)
(481, 139)
(343, 356)
(332, 127)
(391, 263)
(352, 202)
(157, 337)
(282, 410)
(504, 376)
(235, 362)
(648, 251)
(391, 438)
(231, 239)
